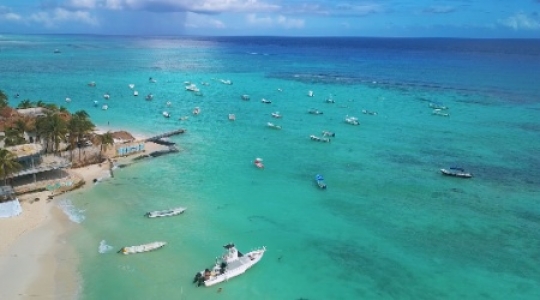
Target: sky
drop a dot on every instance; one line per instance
(370, 18)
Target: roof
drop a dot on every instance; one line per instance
(25, 149)
(122, 135)
(34, 111)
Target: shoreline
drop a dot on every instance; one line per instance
(35, 258)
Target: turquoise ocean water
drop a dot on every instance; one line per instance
(389, 226)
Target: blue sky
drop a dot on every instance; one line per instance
(382, 18)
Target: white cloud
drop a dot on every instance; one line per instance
(60, 15)
(6, 14)
(203, 21)
(521, 21)
(279, 21)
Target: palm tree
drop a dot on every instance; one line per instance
(26, 103)
(79, 126)
(3, 99)
(8, 164)
(40, 103)
(106, 139)
(53, 128)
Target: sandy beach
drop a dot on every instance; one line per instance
(35, 260)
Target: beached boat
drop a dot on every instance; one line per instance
(276, 115)
(258, 162)
(245, 97)
(231, 264)
(319, 180)
(456, 172)
(266, 101)
(351, 120)
(142, 248)
(319, 139)
(272, 125)
(315, 111)
(165, 213)
(232, 117)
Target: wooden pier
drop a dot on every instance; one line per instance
(164, 135)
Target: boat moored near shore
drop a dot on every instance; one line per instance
(165, 213)
(142, 248)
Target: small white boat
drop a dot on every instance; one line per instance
(152, 80)
(68, 100)
(351, 120)
(279, 90)
(258, 163)
(245, 97)
(165, 213)
(168, 103)
(310, 93)
(135, 93)
(272, 125)
(276, 115)
(149, 97)
(196, 111)
(439, 112)
(92, 83)
(315, 111)
(106, 96)
(266, 101)
(231, 264)
(192, 88)
(330, 100)
(131, 85)
(232, 117)
(105, 107)
(95, 103)
(435, 105)
(368, 112)
(456, 172)
(166, 114)
(319, 180)
(328, 133)
(142, 248)
(226, 81)
(319, 139)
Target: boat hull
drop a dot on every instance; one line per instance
(246, 262)
(165, 213)
(142, 248)
(456, 174)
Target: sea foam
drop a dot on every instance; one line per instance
(74, 214)
(103, 247)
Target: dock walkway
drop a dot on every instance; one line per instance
(164, 135)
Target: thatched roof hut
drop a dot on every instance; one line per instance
(122, 137)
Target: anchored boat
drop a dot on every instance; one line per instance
(166, 212)
(320, 181)
(456, 172)
(231, 264)
(142, 248)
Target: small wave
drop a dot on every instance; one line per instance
(74, 214)
(103, 247)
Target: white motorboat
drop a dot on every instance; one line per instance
(231, 264)
(166, 212)
(105, 107)
(226, 81)
(439, 112)
(152, 80)
(352, 120)
(263, 100)
(149, 97)
(315, 111)
(436, 105)
(328, 133)
(135, 93)
(166, 114)
(272, 125)
(258, 163)
(456, 172)
(368, 112)
(192, 88)
(319, 139)
(92, 83)
(131, 85)
(280, 90)
(142, 248)
(106, 96)
(330, 100)
(196, 111)
(245, 97)
(310, 93)
(68, 100)
(169, 103)
(232, 117)
(276, 115)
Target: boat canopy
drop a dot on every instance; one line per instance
(319, 177)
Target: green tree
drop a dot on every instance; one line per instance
(8, 163)
(3, 99)
(105, 140)
(40, 103)
(53, 128)
(26, 103)
(79, 127)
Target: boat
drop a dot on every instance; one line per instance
(439, 112)
(105, 107)
(319, 180)
(196, 111)
(259, 163)
(68, 100)
(106, 96)
(165, 213)
(95, 103)
(135, 93)
(436, 105)
(319, 139)
(225, 81)
(192, 88)
(328, 133)
(266, 101)
(330, 100)
(152, 80)
(56, 51)
(245, 97)
(310, 93)
(276, 115)
(456, 172)
(169, 103)
(166, 114)
(367, 112)
(232, 117)
(183, 118)
(272, 125)
(231, 264)
(315, 111)
(352, 120)
(149, 97)
(280, 90)
(142, 248)
(131, 85)
(92, 84)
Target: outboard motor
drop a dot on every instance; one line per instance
(197, 277)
